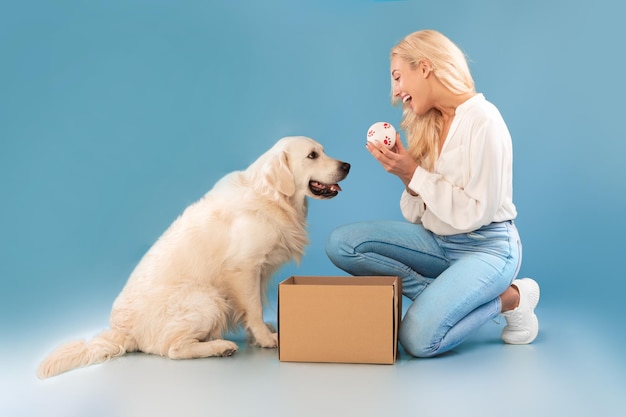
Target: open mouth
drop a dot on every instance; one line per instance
(324, 190)
(406, 99)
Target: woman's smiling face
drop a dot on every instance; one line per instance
(410, 85)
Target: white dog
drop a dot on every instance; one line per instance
(208, 272)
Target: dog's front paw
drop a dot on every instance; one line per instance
(270, 340)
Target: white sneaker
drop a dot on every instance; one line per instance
(522, 325)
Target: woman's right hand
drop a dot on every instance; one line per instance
(396, 160)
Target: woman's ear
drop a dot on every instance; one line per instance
(426, 67)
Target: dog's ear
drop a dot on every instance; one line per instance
(279, 175)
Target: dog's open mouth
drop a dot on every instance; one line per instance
(324, 190)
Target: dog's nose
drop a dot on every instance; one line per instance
(345, 167)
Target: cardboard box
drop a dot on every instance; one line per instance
(339, 319)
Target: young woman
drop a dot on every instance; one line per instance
(459, 252)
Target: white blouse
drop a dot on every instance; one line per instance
(472, 183)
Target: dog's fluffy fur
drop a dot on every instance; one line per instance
(208, 272)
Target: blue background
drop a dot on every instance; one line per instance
(115, 115)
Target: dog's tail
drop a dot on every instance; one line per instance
(108, 344)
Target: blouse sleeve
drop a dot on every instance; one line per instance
(412, 207)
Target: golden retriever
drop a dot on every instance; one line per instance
(208, 272)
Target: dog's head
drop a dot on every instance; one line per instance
(297, 165)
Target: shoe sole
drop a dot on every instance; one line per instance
(533, 334)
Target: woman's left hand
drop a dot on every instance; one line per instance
(396, 160)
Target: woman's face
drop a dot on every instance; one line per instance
(410, 85)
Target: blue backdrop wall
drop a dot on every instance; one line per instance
(115, 115)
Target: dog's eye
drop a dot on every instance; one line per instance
(313, 155)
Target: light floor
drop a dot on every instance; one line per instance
(569, 371)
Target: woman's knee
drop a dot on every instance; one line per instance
(413, 347)
(336, 244)
(413, 338)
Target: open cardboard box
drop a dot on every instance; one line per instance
(339, 319)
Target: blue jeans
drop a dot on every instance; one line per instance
(454, 281)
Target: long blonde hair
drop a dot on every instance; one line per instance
(450, 67)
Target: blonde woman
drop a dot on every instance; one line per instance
(459, 252)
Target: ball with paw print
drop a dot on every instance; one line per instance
(382, 132)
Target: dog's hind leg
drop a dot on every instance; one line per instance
(191, 349)
(196, 320)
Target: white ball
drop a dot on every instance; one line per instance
(382, 132)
